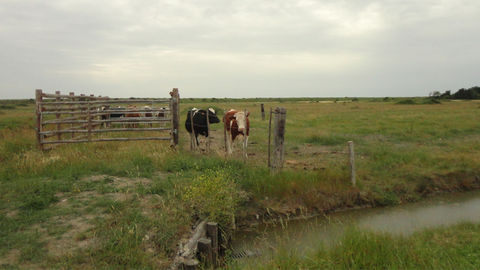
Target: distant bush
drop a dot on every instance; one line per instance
(431, 101)
(462, 93)
(7, 107)
(406, 102)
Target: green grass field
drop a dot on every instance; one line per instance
(116, 205)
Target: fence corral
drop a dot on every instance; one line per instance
(79, 118)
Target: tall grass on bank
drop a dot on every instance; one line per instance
(456, 247)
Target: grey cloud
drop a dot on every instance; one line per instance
(238, 48)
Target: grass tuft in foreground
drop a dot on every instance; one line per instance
(456, 247)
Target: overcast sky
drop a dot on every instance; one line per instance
(244, 48)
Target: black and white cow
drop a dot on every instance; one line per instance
(108, 116)
(200, 121)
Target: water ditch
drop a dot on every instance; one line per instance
(307, 234)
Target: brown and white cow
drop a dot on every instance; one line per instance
(148, 113)
(236, 123)
(132, 112)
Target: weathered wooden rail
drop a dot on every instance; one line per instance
(203, 246)
(79, 118)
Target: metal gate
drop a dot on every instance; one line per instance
(80, 118)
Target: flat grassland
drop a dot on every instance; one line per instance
(126, 204)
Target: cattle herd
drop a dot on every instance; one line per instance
(235, 123)
(130, 112)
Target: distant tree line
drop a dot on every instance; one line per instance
(462, 93)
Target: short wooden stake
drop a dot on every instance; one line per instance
(263, 112)
(191, 264)
(212, 233)
(205, 250)
(352, 163)
(279, 137)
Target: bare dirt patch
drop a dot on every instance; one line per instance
(123, 182)
(73, 229)
(12, 214)
(77, 237)
(10, 258)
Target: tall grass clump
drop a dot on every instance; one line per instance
(213, 195)
(121, 240)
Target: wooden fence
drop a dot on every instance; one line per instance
(79, 118)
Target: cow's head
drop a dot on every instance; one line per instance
(241, 119)
(212, 117)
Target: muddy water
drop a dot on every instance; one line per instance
(307, 234)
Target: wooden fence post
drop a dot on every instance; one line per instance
(208, 132)
(38, 100)
(225, 133)
(269, 137)
(352, 162)
(89, 115)
(71, 94)
(205, 250)
(263, 112)
(191, 264)
(175, 114)
(279, 137)
(193, 145)
(57, 116)
(212, 233)
(245, 138)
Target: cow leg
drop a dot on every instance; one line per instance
(196, 139)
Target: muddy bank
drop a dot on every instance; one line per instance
(268, 210)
